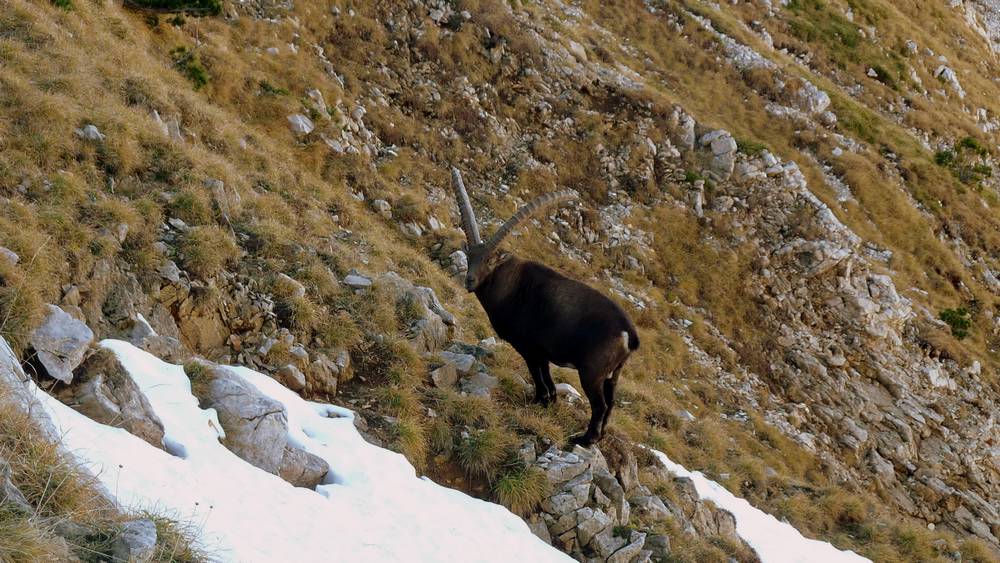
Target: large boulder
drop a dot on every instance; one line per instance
(60, 343)
(107, 394)
(256, 426)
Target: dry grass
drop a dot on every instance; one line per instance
(206, 250)
(292, 190)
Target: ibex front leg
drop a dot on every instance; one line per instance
(539, 371)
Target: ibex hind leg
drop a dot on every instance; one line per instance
(550, 386)
(609, 395)
(593, 386)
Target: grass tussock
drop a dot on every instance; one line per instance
(206, 250)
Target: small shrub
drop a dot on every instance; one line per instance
(944, 158)
(200, 376)
(971, 143)
(205, 251)
(691, 176)
(959, 321)
(64, 4)
(747, 146)
(189, 65)
(267, 89)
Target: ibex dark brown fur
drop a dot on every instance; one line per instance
(547, 317)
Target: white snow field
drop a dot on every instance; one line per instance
(773, 540)
(374, 507)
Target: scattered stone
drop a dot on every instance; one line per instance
(300, 124)
(60, 343)
(480, 384)
(945, 74)
(383, 208)
(291, 287)
(568, 391)
(589, 523)
(444, 376)
(636, 542)
(463, 363)
(430, 325)
(9, 256)
(357, 281)
(659, 544)
(89, 132)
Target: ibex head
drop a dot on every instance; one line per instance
(483, 256)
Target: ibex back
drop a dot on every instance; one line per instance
(548, 317)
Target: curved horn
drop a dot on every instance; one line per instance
(523, 214)
(465, 207)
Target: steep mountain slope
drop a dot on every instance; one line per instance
(797, 201)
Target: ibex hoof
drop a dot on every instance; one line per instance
(544, 400)
(585, 440)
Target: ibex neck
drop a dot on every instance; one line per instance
(501, 281)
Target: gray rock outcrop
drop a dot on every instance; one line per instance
(60, 343)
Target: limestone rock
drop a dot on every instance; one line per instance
(301, 468)
(9, 493)
(60, 343)
(636, 542)
(136, 543)
(590, 523)
(651, 508)
(300, 124)
(109, 395)
(89, 132)
(9, 256)
(429, 329)
(444, 376)
(292, 377)
(256, 426)
(357, 281)
(462, 363)
(560, 466)
(480, 384)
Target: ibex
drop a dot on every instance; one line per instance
(546, 316)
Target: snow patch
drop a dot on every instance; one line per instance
(773, 540)
(373, 507)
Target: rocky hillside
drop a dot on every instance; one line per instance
(797, 201)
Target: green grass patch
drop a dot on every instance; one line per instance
(959, 320)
